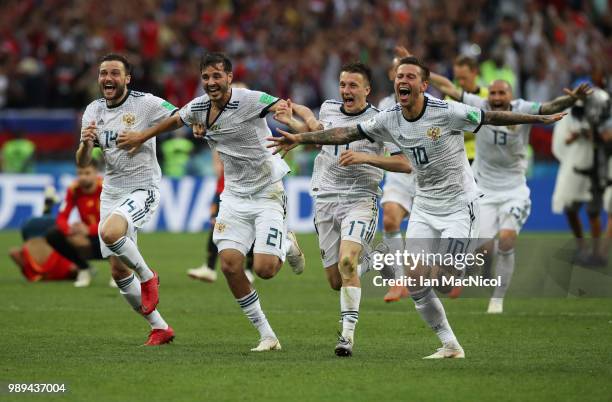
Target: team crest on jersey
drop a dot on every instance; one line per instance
(220, 227)
(433, 133)
(129, 119)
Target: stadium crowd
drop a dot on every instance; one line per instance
(49, 49)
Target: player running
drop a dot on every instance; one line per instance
(499, 168)
(253, 203)
(346, 211)
(130, 194)
(207, 271)
(396, 202)
(428, 131)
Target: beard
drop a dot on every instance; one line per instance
(119, 92)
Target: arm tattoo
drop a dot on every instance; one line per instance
(557, 105)
(332, 136)
(508, 118)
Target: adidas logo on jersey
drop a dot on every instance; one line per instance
(100, 122)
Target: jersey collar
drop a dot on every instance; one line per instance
(420, 114)
(362, 111)
(120, 103)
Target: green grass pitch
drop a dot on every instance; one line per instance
(547, 349)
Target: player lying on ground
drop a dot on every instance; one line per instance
(79, 241)
(429, 133)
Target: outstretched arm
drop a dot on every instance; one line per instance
(495, 118)
(445, 86)
(132, 140)
(284, 114)
(307, 116)
(563, 102)
(331, 136)
(394, 163)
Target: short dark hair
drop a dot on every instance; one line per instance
(413, 60)
(359, 68)
(214, 58)
(118, 57)
(468, 61)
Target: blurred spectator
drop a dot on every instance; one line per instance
(18, 155)
(176, 152)
(47, 49)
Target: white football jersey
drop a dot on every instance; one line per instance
(402, 181)
(138, 111)
(501, 151)
(434, 144)
(239, 136)
(329, 179)
(387, 102)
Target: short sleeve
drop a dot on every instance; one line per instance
(463, 117)
(159, 109)
(191, 113)
(324, 116)
(473, 100)
(527, 107)
(375, 129)
(89, 115)
(258, 103)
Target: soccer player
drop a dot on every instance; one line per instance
(346, 211)
(253, 203)
(465, 71)
(398, 194)
(130, 194)
(79, 242)
(500, 168)
(429, 132)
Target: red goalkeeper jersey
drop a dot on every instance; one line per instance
(87, 204)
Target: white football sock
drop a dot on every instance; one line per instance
(128, 252)
(252, 309)
(130, 290)
(429, 306)
(350, 297)
(504, 268)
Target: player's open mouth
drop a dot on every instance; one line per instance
(404, 92)
(348, 101)
(109, 87)
(212, 90)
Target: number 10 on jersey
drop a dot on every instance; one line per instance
(419, 154)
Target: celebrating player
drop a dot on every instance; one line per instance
(346, 211)
(428, 131)
(500, 166)
(130, 194)
(396, 202)
(253, 203)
